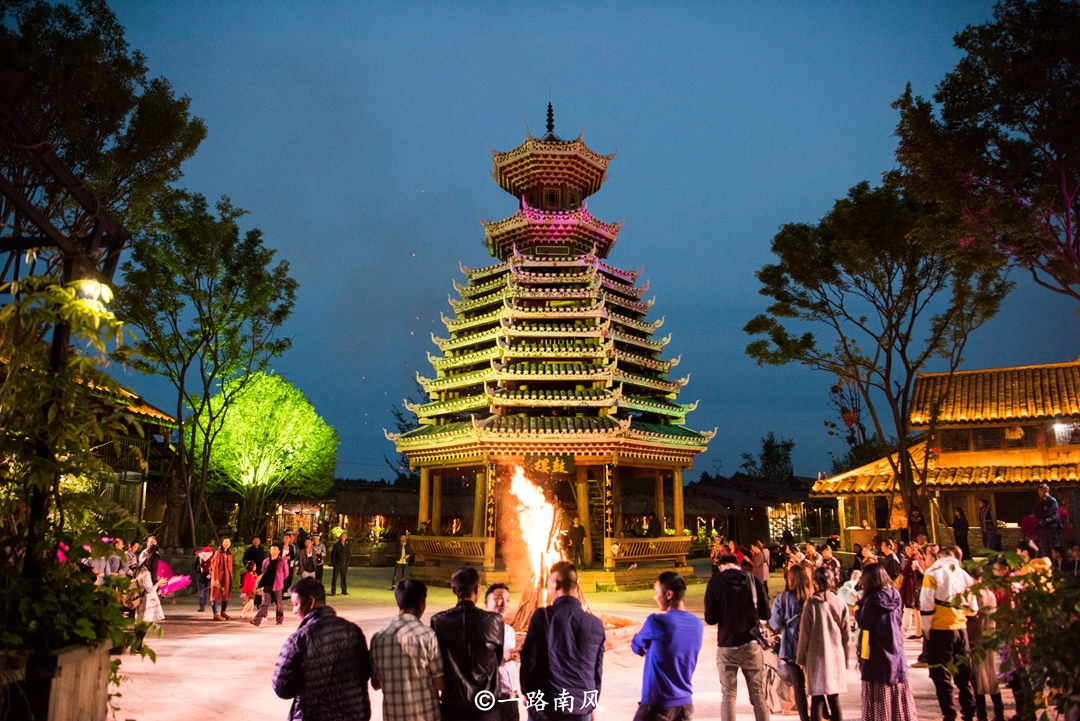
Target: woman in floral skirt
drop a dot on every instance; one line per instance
(886, 695)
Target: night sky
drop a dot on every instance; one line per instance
(357, 134)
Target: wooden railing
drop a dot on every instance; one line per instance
(459, 549)
(651, 549)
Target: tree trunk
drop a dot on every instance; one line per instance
(169, 533)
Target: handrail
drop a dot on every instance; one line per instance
(649, 549)
(464, 549)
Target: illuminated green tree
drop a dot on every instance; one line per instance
(271, 443)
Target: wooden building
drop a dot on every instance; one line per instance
(1000, 432)
(551, 364)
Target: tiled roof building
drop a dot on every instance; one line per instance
(998, 434)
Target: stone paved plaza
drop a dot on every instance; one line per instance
(209, 671)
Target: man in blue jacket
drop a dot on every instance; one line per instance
(670, 642)
(324, 665)
(562, 657)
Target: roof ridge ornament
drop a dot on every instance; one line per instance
(551, 118)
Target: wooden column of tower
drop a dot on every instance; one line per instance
(583, 511)
(425, 497)
(661, 517)
(479, 503)
(550, 352)
(436, 502)
(677, 499)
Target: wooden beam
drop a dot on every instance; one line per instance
(43, 151)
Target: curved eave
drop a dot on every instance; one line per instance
(446, 344)
(537, 162)
(651, 383)
(641, 307)
(663, 366)
(653, 345)
(455, 405)
(534, 226)
(552, 351)
(557, 430)
(557, 331)
(670, 410)
(548, 399)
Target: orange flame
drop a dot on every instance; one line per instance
(536, 518)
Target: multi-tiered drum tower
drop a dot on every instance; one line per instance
(551, 364)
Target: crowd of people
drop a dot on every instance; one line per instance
(464, 664)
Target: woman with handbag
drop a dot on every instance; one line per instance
(785, 620)
(823, 646)
(886, 695)
(908, 583)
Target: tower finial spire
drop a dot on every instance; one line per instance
(551, 118)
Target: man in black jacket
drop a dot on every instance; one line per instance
(471, 642)
(256, 554)
(729, 605)
(324, 665)
(340, 554)
(562, 656)
(291, 555)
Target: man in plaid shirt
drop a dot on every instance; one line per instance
(405, 660)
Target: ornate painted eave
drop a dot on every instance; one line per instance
(550, 227)
(653, 345)
(663, 366)
(562, 349)
(537, 162)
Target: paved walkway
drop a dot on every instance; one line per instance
(209, 671)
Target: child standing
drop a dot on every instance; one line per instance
(247, 590)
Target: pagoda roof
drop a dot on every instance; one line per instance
(550, 161)
(618, 374)
(549, 397)
(463, 360)
(651, 363)
(655, 345)
(465, 341)
(640, 307)
(535, 226)
(526, 261)
(1017, 393)
(555, 350)
(651, 405)
(551, 426)
(555, 330)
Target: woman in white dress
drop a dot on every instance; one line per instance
(146, 578)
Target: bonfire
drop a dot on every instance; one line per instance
(539, 526)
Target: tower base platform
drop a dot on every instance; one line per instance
(591, 581)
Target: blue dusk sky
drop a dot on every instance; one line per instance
(357, 134)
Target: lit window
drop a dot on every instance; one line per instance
(1020, 437)
(953, 441)
(988, 439)
(1067, 434)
